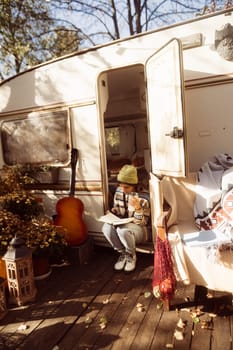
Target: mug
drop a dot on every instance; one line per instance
(131, 196)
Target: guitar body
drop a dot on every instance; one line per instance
(69, 215)
(70, 211)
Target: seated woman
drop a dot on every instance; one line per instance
(127, 203)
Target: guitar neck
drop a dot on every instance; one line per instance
(74, 159)
(72, 183)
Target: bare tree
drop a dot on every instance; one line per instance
(33, 31)
(105, 20)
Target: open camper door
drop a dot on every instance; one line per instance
(165, 99)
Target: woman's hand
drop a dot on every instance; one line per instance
(134, 202)
(113, 210)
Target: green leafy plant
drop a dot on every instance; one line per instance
(10, 225)
(22, 204)
(44, 238)
(22, 214)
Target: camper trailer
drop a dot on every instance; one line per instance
(161, 100)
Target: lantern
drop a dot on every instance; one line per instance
(19, 270)
(3, 307)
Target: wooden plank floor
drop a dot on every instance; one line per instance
(92, 307)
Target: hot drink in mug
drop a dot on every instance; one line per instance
(133, 201)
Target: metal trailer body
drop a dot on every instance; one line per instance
(164, 95)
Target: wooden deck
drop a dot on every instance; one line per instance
(92, 307)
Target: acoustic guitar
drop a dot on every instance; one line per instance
(70, 211)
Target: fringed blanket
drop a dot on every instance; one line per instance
(213, 207)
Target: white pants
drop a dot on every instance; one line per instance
(123, 238)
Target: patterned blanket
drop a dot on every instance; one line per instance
(218, 213)
(220, 217)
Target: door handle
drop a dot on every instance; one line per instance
(176, 133)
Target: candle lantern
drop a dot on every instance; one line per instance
(20, 277)
(3, 306)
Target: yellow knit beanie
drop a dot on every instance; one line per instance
(128, 175)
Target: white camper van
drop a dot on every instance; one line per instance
(161, 99)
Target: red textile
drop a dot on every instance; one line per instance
(164, 277)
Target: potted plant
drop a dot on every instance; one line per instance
(22, 214)
(47, 242)
(9, 226)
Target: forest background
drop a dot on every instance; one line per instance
(35, 31)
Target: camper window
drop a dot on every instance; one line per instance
(38, 138)
(112, 136)
(120, 141)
